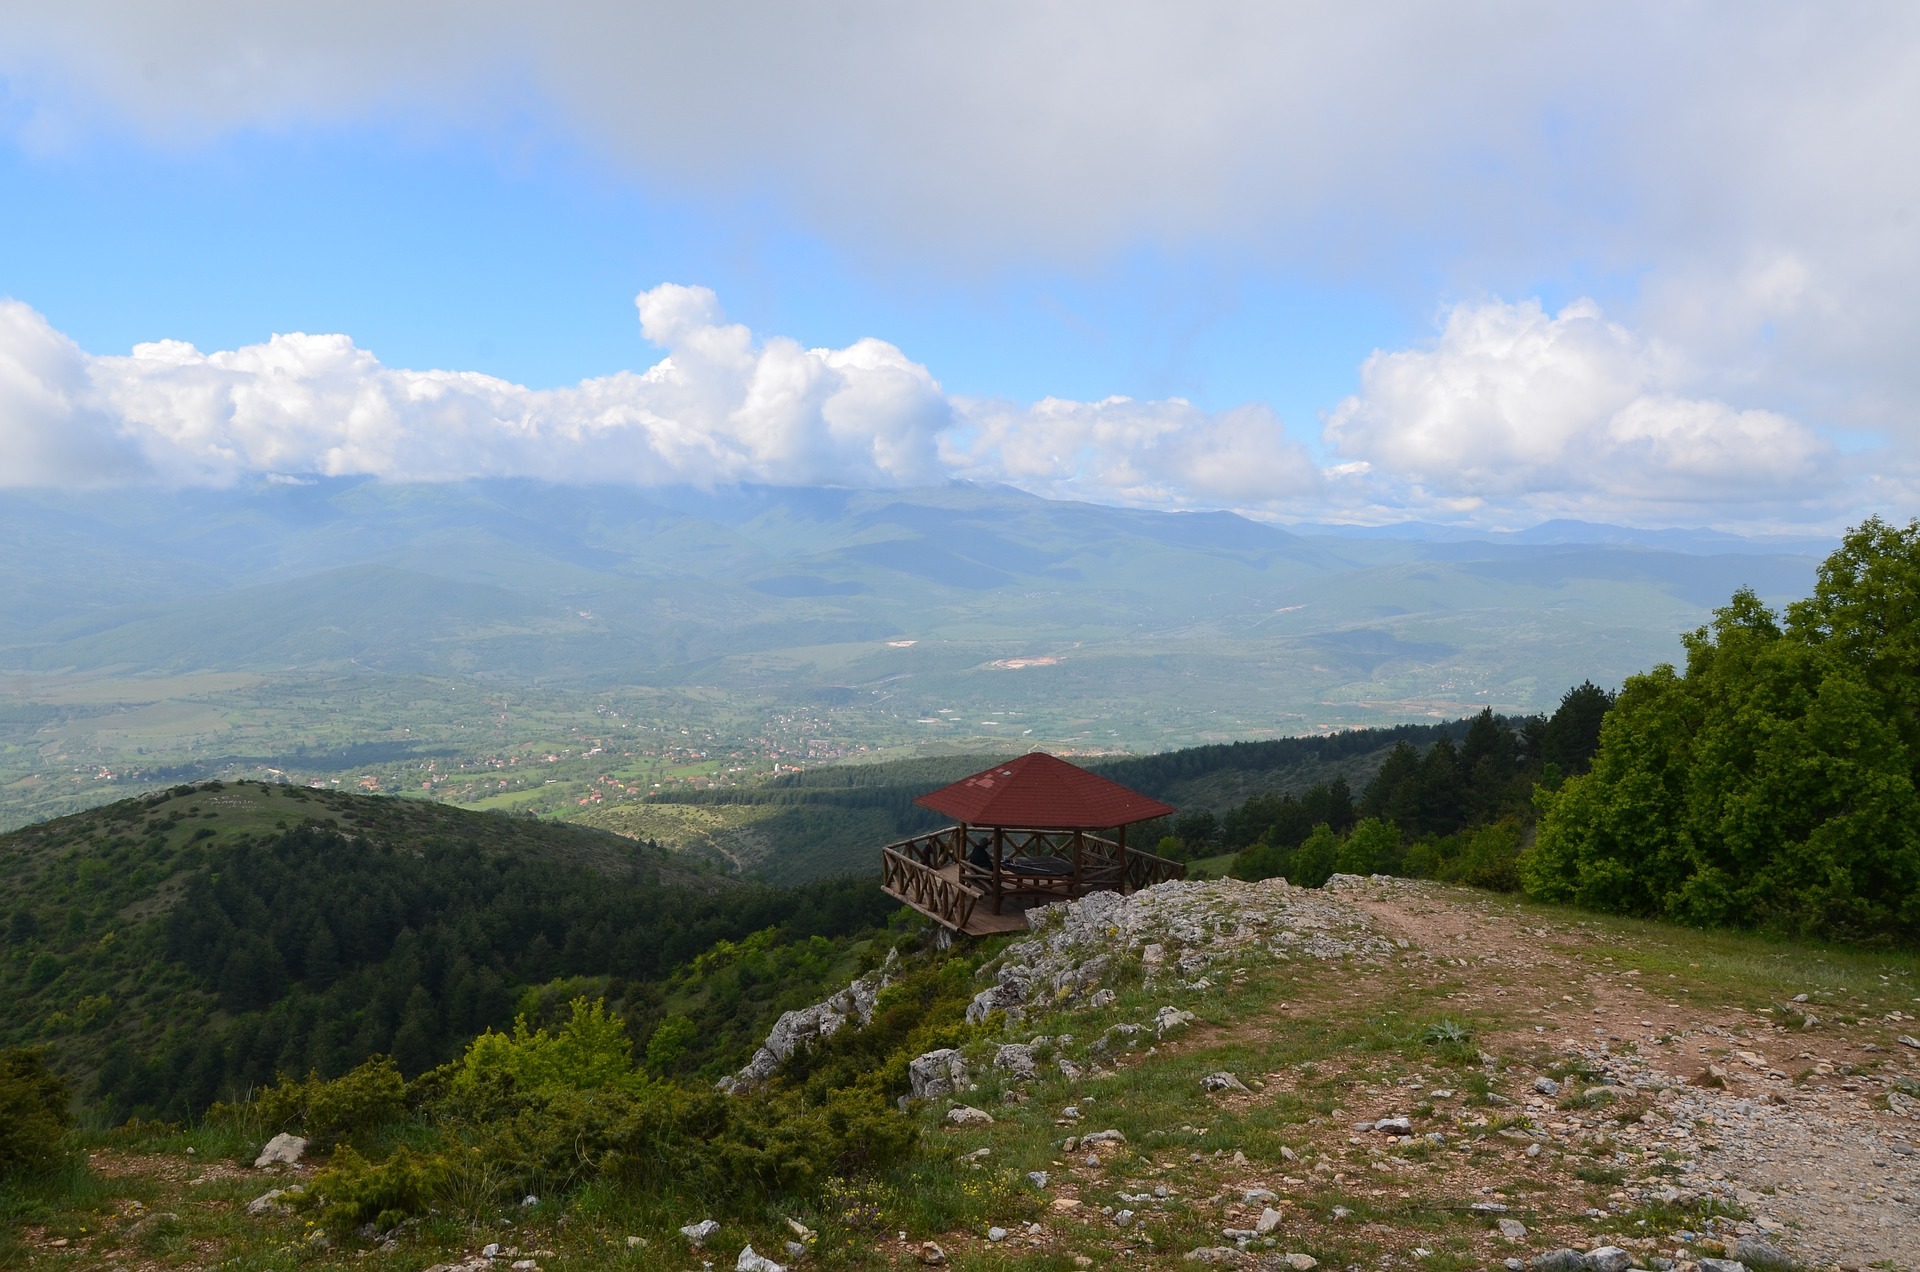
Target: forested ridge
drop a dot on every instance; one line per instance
(180, 949)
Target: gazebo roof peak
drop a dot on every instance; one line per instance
(1042, 792)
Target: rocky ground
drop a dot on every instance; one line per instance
(1610, 1104)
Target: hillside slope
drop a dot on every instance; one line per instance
(176, 949)
(1378, 1074)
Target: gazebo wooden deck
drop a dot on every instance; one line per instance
(1021, 839)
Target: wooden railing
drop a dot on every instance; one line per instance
(922, 886)
(1144, 869)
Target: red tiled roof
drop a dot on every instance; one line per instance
(1041, 792)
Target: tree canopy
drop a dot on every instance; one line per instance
(1771, 783)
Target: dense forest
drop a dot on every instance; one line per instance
(348, 926)
(1771, 781)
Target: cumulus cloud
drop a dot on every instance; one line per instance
(722, 406)
(1166, 453)
(1511, 404)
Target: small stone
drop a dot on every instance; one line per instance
(967, 1115)
(1114, 1138)
(1394, 1125)
(1269, 1220)
(1722, 1265)
(1038, 1178)
(281, 1150)
(267, 1203)
(1223, 1081)
(320, 1240)
(1533, 1150)
(1906, 1041)
(529, 1200)
(1123, 1218)
(1258, 1196)
(1515, 1265)
(931, 1254)
(491, 1250)
(525, 1265)
(1512, 1229)
(749, 1261)
(634, 1243)
(1759, 1252)
(1609, 1259)
(1712, 1076)
(1561, 1260)
(1546, 1086)
(1488, 1208)
(697, 1234)
(996, 1234)
(796, 1250)
(1082, 1261)
(1171, 1018)
(1341, 1212)
(1300, 1262)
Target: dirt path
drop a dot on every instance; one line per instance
(1825, 1173)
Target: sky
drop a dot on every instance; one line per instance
(1490, 264)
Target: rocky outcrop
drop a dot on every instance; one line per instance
(804, 1026)
(936, 1073)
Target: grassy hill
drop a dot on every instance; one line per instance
(181, 947)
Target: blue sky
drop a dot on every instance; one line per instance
(525, 266)
(1608, 261)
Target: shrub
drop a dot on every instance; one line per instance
(352, 1191)
(1374, 845)
(33, 1111)
(1313, 861)
(1490, 859)
(359, 1101)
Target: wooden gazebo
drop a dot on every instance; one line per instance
(1021, 839)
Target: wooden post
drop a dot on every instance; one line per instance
(1079, 856)
(998, 847)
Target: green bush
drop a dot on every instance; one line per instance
(352, 1191)
(33, 1111)
(1313, 861)
(1372, 847)
(1489, 859)
(365, 1099)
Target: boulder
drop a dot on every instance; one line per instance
(1015, 1058)
(967, 1115)
(933, 1074)
(1223, 1081)
(282, 1150)
(752, 1262)
(267, 1203)
(698, 1234)
(1608, 1259)
(1170, 1018)
(1562, 1260)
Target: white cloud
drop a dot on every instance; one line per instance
(1167, 453)
(723, 406)
(1514, 405)
(51, 434)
